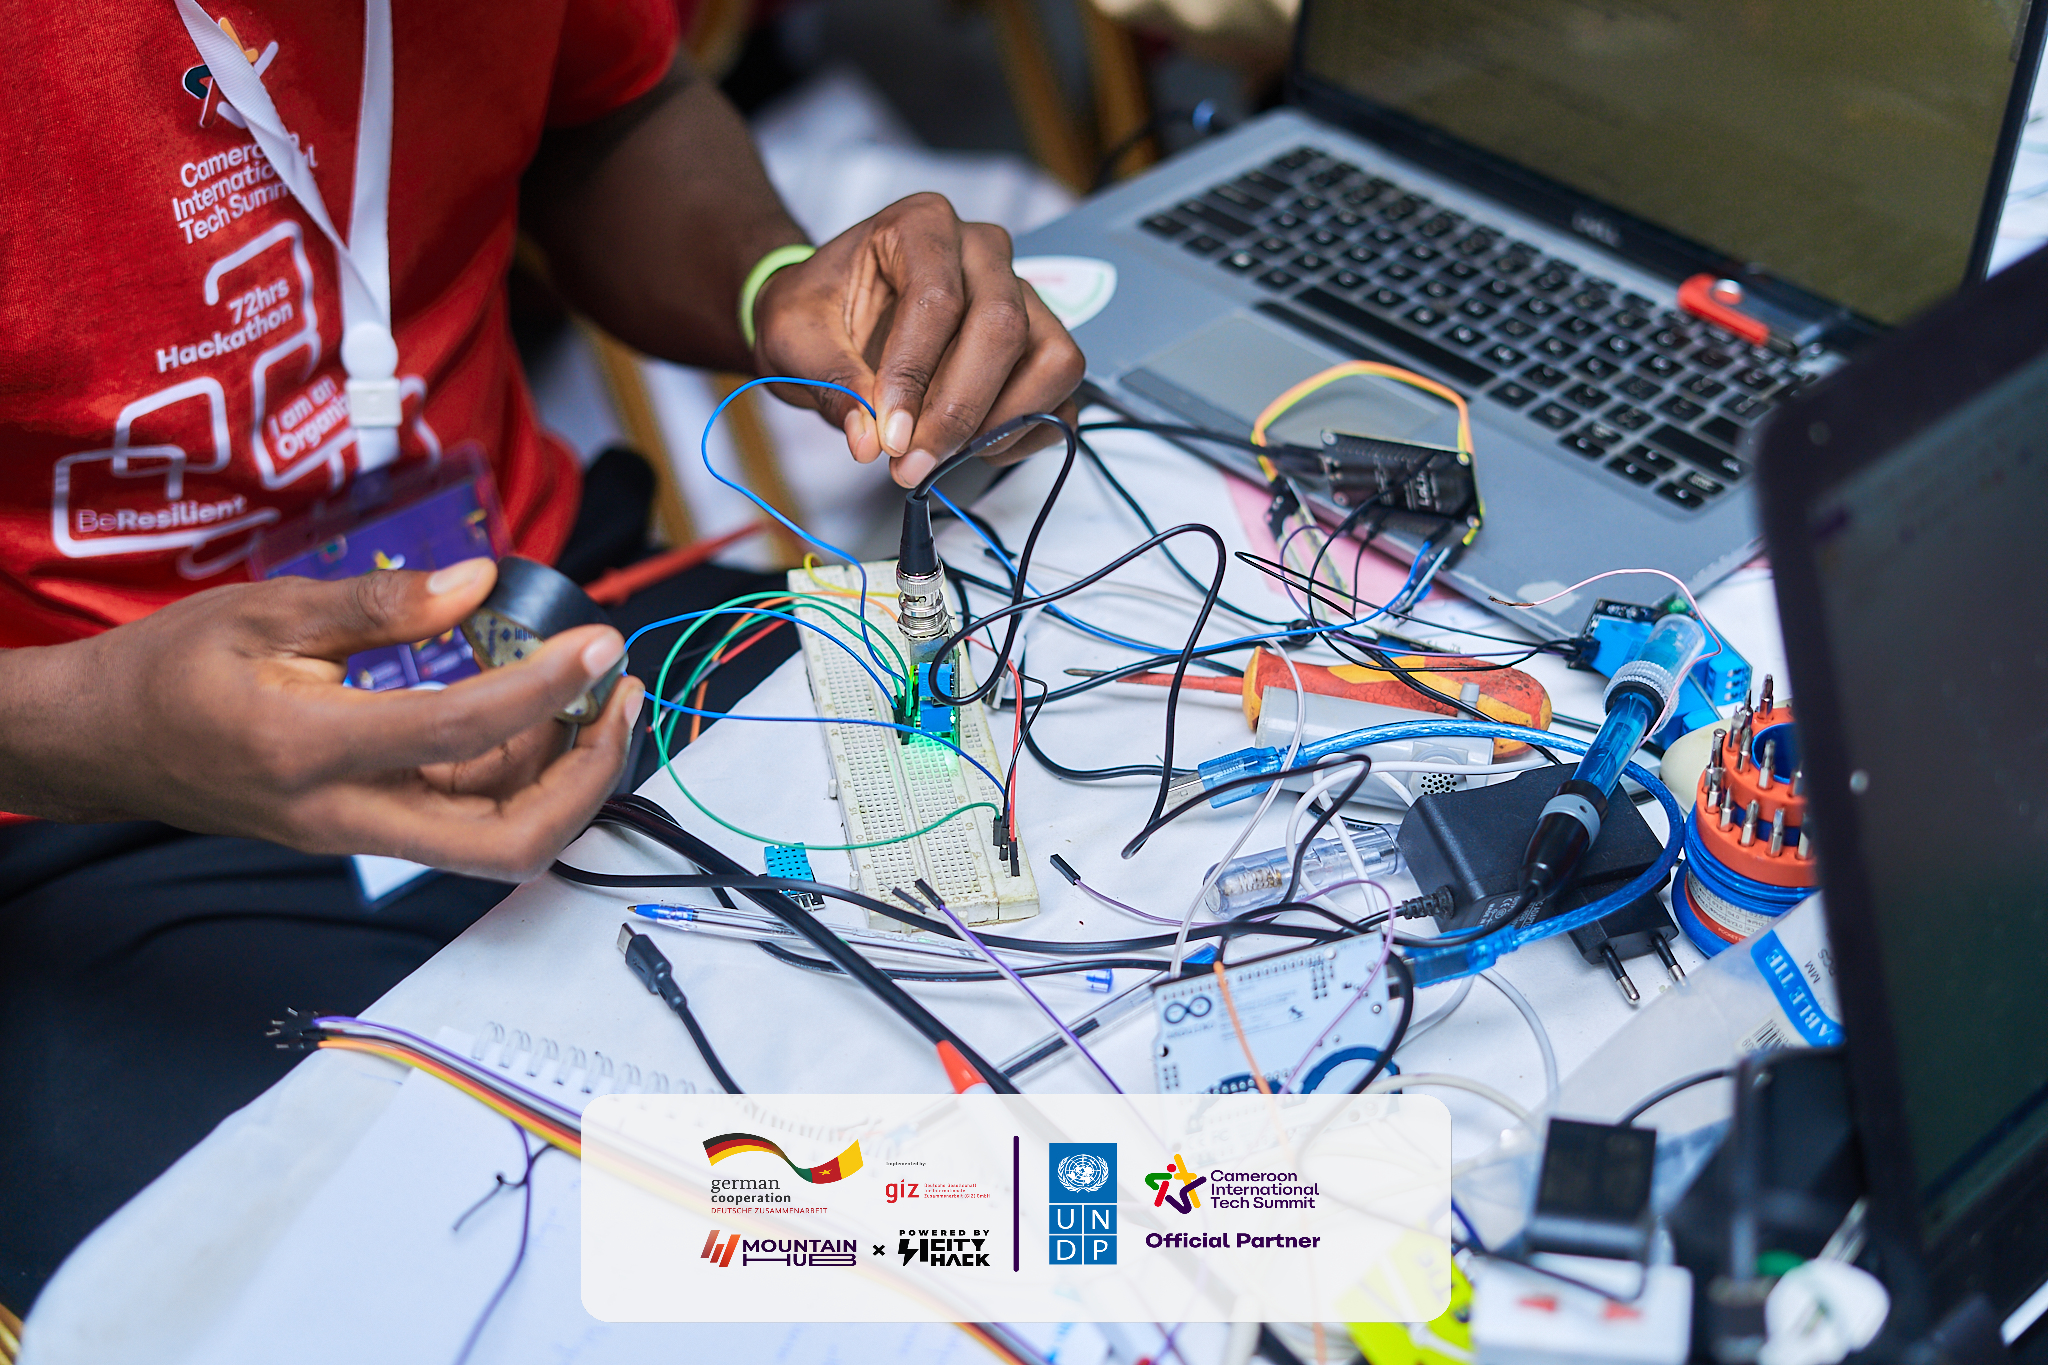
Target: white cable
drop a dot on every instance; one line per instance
(1180, 938)
(1528, 1012)
(1449, 1082)
(1327, 782)
(1438, 1016)
(1407, 797)
(1402, 765)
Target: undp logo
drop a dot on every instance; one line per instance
(1083, 1172)
(1081, 1203)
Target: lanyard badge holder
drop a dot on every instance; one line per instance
(418, 517)
(369, 351)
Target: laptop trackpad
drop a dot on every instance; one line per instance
(1237, 365)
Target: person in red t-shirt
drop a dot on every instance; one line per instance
(172, 381)
(172, 385)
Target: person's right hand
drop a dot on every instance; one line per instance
(225, 713)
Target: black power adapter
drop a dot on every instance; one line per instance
(1472, 841)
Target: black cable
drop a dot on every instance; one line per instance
(525, 1183)
(1016, 606)
(1144, 519)
(916, 515)
(644, 817)
(1657, 1097)
(992, 437)
(749, 884)
(1000, 553)
(1180, 669)
(765, 889)
(1293, 577)
(1222, 438)
(1165, 818)
(1301, 850)
(1330, 538)
(1057, 769)
(1202, 118)
(1382, 660)
(655, 971)
(1030, 718)
(813, 964)
(1398, 965)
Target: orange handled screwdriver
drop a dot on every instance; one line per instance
(1503, 694)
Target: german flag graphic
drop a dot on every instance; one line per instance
(732, 1144)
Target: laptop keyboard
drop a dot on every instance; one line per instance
(1653, 396)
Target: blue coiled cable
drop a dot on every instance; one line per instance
(1744, 893)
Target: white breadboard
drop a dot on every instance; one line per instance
(888, 787)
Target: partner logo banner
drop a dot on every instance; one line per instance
(1042, 1208)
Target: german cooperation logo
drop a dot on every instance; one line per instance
(1081, 1189)
(766, 1192)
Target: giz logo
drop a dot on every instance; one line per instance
(1161, 1185)
(900, 1190)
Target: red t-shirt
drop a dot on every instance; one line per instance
(170, 318)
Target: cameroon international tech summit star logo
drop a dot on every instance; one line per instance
(1161, 1185)
(1083, 1172)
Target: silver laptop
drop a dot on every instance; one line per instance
(1507, 197)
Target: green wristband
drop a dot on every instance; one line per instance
(758, 276)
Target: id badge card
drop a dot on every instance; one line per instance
(423, 519)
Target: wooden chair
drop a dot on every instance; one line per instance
(1069, 146)
(10, 1336)
(713, 32)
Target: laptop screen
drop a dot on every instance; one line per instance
(1843, 145)
(1930, 561)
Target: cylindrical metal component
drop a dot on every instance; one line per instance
(922, 614)
(1749, 823)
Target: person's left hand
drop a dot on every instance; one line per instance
(922, 314)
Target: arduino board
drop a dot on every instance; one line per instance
(1287, 1003)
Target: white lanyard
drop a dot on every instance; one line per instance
(368, 350)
